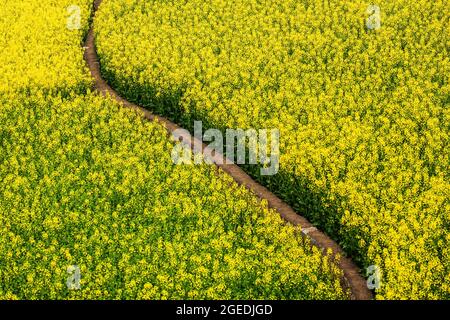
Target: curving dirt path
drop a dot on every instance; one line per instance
(352, 277)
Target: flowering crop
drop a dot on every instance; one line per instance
(39, 51)
(362, 106)
(87, 183)
(88, 189)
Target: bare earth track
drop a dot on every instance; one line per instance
(352, 277)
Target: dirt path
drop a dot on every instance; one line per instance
(352, 276)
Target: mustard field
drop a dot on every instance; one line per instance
(92, 205)
(360, 95)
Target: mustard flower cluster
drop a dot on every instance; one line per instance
(360, 94)
(41, 44)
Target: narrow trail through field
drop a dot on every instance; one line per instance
(352, 277)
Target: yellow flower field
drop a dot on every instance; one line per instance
(39, 52)
(363, 113)
(90, 187)
(88, 184)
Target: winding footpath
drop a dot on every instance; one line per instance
(352, 278)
